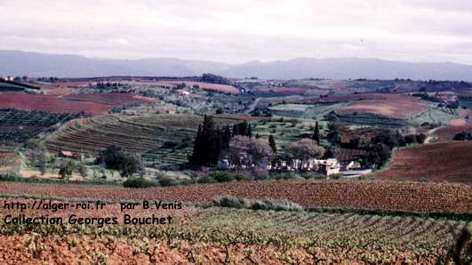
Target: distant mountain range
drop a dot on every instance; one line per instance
(17, 63)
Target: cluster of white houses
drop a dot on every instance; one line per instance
(327, 167)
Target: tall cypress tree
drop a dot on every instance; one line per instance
(197, 155)
(272, 144)
(209, 143)
(205, 144)
(316, 133)
(226, 136)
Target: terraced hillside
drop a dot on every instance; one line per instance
(15, 86)
(163, 139)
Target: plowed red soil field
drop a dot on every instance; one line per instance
(393, 105)
(74, 103)
(441, 162)
(374, 195)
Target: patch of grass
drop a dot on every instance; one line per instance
(266, 204)
(168, 181)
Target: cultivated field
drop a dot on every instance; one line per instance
(87, 103)
(231, 236)
(9, 162)
(306, 111)
(18, 126)
(372, 195)
(285, 130)
(439, 116)
(392, 105)
(441, 162)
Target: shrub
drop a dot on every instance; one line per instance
(276, 205)
(312, 175)
(266, 204)
(463, 136)
(65, 171)
(222, 176)
(206, 180)
(167, 181)
(232, 202)
(240, 177)
(138, 183)
(285, 176)
(335, 176)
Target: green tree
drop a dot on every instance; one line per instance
(82, 170)
(378, 154)
(115, 158)
(305, 149)
(208, 144)
(333, 134)
(130, 165)
(248, 151)
(66, 169)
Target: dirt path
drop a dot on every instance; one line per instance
(430, 135)
(253, 106)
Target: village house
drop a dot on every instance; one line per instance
(328, 166)
(183, 93)
(68, 154)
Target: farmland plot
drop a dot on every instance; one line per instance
(74, 103)
(391, 105)
(434, 115)
(370, 195)
(17, 126)
(441, 162)
(218, 235)
(286, 131)
(306, 111)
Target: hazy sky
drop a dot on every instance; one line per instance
(236, 31)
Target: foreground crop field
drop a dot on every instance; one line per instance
(371, 195)
(441, 162)
(74, 103)
(237, 236)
